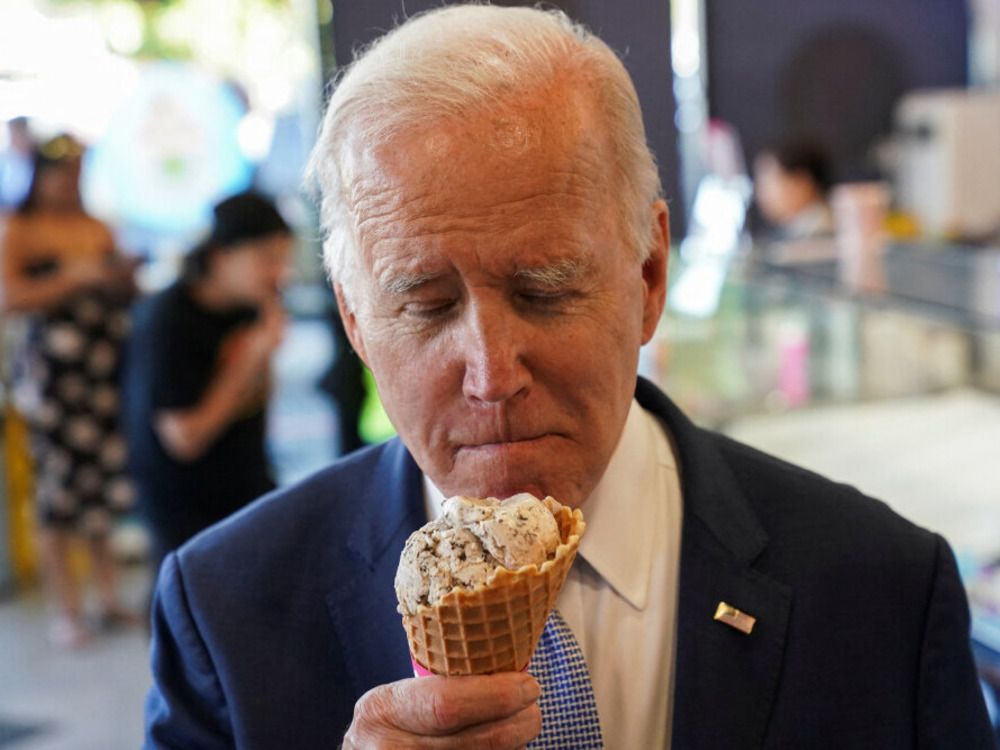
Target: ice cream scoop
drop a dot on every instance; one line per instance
(465, 547)
(476, 586)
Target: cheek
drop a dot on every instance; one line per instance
(765, 195)
(599, 364)
(256, 276)
(234, 268)
(772, 196)
(599, 360)
(414, 378)
(783, 198)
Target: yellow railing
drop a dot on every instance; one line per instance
(20, 494)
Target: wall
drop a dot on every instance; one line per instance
(832, 69)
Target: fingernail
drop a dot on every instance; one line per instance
(530, 690)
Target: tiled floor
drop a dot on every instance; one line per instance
(92, 700)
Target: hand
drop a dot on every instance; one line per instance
(252, 345)
(271, 324)
(121, 274)
(489, 711)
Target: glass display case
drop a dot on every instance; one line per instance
(780, 335)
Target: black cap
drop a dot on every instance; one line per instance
(245, 216)
(239, 218)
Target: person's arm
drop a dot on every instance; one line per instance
(186, 434)
(21, 292)
(119, 272)
(951, 709)
(185, 707)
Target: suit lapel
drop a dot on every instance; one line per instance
(724, 680)
(363, 606)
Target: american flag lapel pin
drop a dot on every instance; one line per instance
(734, 618)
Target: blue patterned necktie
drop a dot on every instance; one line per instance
(569, 711)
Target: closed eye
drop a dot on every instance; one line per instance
(548, 300)
(542, 298)
(429, 310)
(550, 288)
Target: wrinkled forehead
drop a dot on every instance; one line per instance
(554, 144)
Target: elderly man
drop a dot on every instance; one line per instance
(498, 247)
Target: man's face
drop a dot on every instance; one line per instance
(499, 308)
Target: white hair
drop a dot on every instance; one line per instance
(444, 63)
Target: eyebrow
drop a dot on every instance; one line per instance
(553, 275)
(401, 283)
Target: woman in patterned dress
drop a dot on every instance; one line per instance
(60, 267)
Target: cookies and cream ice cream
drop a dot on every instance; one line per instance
(473, 539)
(476, 586)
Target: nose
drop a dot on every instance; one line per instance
(493, 347)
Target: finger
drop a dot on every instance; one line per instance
(513, 732)
(445, 705)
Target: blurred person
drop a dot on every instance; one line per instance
(16, 164)
(60, 267)
(498, 243)
(791, 183)
(198, 375)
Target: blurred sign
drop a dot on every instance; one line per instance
(170, 152)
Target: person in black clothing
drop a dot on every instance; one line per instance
(198, 375)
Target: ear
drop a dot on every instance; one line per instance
(654, 271)
(350, 320)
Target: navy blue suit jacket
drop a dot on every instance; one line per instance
(269, 626)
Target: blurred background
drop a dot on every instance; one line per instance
(833, 172)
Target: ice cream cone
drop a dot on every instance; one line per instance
(495, 628)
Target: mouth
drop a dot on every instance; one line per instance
(501, 446)
(502, 467)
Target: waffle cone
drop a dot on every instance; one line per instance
(495, 628)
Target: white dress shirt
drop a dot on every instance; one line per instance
(620, 599)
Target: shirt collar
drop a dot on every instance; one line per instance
(433, 500)
(618, 542)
